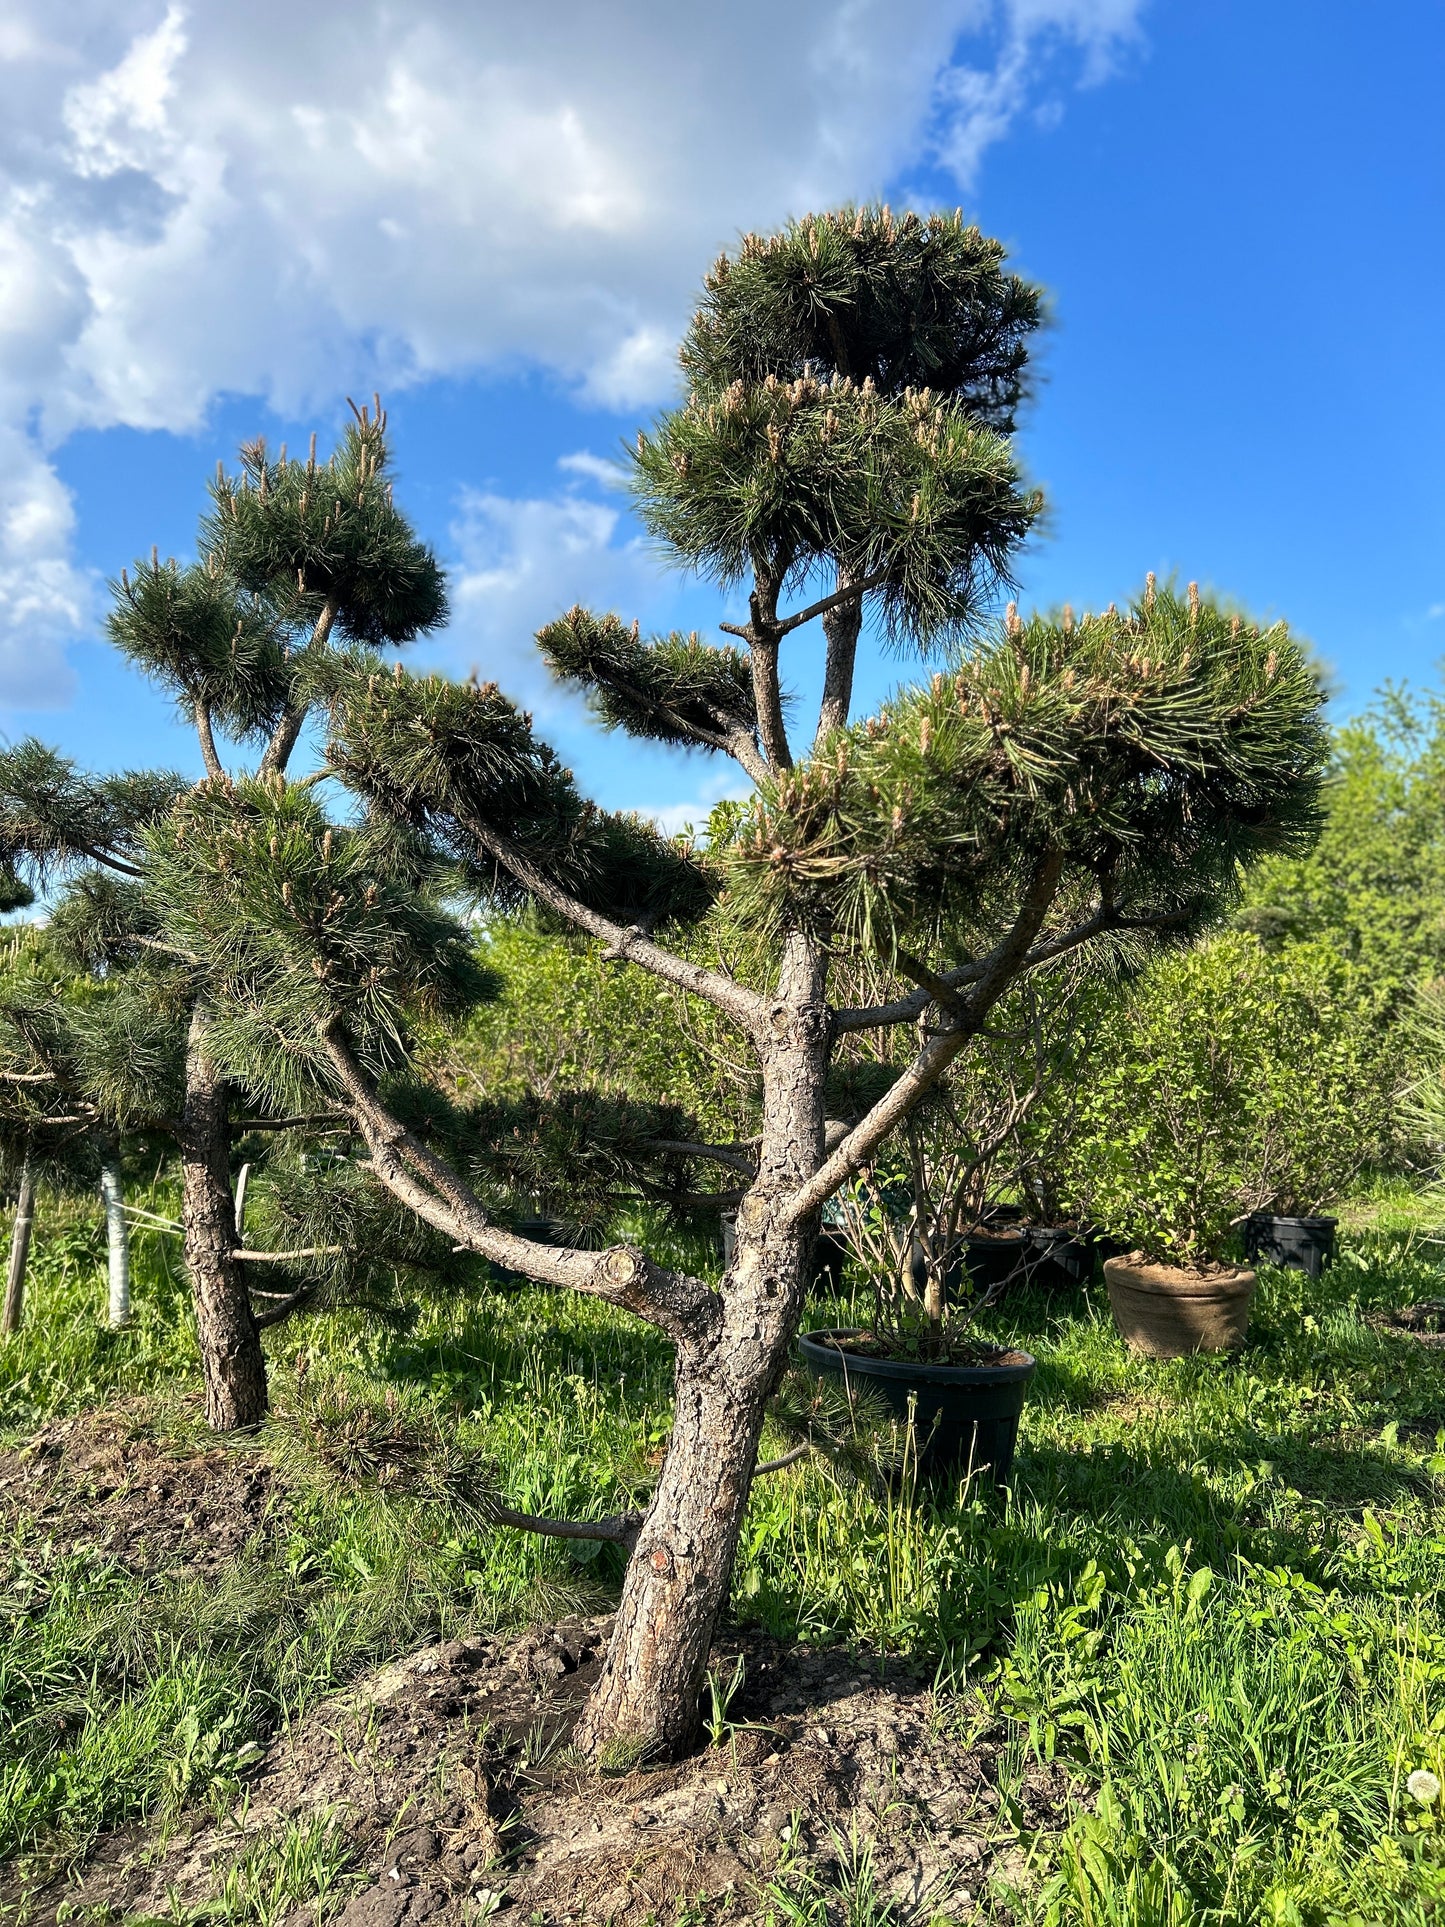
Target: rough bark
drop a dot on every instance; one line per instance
(112, 1189)
(14, 1309)
(206, 736)
(232, 1363)
(676, 1586)
(841, 626)
(767, 694)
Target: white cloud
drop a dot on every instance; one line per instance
(1435, 611)
(43, 598)
(980, 104)
(293, 201)
(519, 562)
(593, 468)
(723, 784)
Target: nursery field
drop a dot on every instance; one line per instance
(1181, 1674)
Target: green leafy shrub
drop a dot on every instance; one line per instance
(568, 1019)
(1230, 1079)
(1374, 883)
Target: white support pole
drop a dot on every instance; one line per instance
(113, 1191)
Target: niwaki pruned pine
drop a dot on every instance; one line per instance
(1057, 789)
(290, 553)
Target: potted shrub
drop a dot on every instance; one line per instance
(1056, 1029)
(935, 1255)
(1228, 1081)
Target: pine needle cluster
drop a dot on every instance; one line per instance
(54, 816)
(576, 1154)
(667, 689)
(862, 293)
(1157, 749)
(784, 478)
(303, 535)
(286, 918)
(462, 762)
(290, 551)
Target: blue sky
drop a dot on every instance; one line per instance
(220, 221)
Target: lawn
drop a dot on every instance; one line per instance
(1210, 1608)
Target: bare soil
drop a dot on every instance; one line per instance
(447, 1774)
(111, 1480)
(961, 1351)
(1425, 1321)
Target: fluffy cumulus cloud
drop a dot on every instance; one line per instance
(289, 200)
(517, 561)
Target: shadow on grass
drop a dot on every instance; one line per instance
(502, 1347)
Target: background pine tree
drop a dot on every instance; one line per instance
(291, 555)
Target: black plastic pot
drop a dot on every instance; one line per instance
(1001, 1215)
(1302, 1244)
(995, 1260)
(1052, 1256)
(829, 1253)
(964, 1417)
(1057, 1258)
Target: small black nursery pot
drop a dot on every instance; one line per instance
(1301, 1244)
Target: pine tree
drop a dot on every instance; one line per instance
(54, 1125)
(291, 554)
(1057, 788)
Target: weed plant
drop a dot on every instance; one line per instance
(1215, 1591)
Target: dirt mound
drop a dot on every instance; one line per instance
(449, 1794)
(112, 1481)
(440, 1789)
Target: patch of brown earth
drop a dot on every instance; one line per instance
(448, 1779)
(445, 1778)
(114, 1481)
(1424, 1322)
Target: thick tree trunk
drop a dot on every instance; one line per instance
(112, 1189)
(232, 1363)
(648, 1699)
(14, 1311)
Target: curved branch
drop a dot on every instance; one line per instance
(628, 943)
(292, 1303)
(283, 738)
(841, 626)
(109, 860)
(994, 974)
(907, 1010)
(207, 738)
(846, 592)
(621, 1529)
(733, 737)
(737, 1157)
(768, 696)
(287, 1257)
(687, 1309)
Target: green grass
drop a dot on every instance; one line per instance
(1216, 1590)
